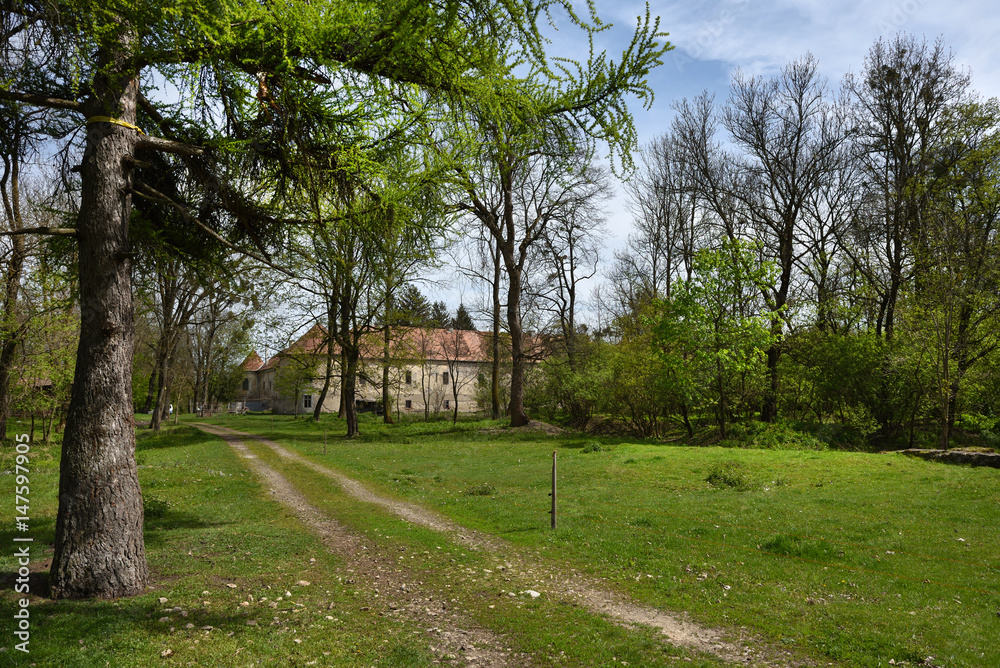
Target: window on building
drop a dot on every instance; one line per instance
(447, 404)
(444, 379)
(409, 379)
(409, 403)
(307, 401)
(246, 384)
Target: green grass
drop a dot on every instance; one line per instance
(850, 557)
(553, 632)
(211, 525)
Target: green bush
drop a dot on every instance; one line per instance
(990, 438)
(484, 489)
(771, 436)
(976, 423)
(733, 474)
(594, 446)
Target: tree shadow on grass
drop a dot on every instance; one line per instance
(173, 437)
(96, 631)
(527, 529)
(158, 527)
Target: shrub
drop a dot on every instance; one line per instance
(990, 438)
(976, 423)
(733, 474)
(771, 436)
(594, 446)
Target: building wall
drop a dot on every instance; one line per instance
(426, 385)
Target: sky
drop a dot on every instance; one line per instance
(714, 38)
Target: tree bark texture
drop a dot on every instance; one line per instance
(10, 330)
(99, 550)
(495, 409)
(518, 416)
(386, 359)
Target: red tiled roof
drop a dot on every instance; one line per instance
(411, 342)
(253, 362)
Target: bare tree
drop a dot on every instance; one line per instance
(899, 101)
(770, 186)
(478, 257)
(670, 217)
(457, 348)
(571, 253)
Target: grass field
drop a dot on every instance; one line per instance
(846, 559)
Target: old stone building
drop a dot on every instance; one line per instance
(429, 369)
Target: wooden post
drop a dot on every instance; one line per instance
(553, 489)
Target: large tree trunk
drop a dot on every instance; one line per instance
(342, 409)
(386, 404)
(495, 407)
(154, 383)
(348, 393)
(10, 330)
(518, 416)
(99, 548)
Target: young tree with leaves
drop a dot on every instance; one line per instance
(714, 332)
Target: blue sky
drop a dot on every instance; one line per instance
(715, 37)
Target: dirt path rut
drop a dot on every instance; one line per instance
(449, 636)
(530, 573)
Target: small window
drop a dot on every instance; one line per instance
(307, 401)
(447, 404)
(246, 384)
(409, 379)
(444, 379)
(409, 403)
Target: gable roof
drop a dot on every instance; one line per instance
(253, 362)
(428, 343)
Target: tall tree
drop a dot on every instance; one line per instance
(958, 293)
(899, 100)
(177, 295)
(545, 117)
(463, 320)
(571, 250)
(786, 137)
(412, 307)
(669, 219)
(269, 78)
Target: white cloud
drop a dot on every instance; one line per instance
(762, 39)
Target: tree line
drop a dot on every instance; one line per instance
(813, 253)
